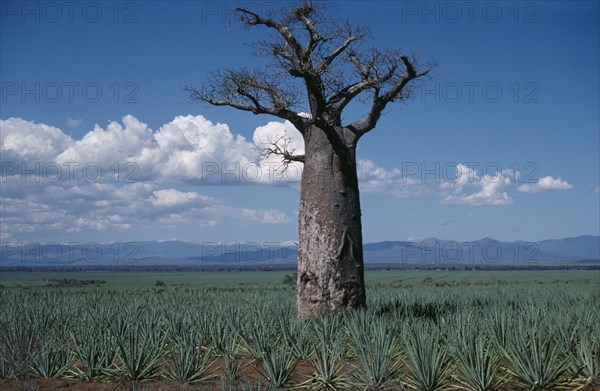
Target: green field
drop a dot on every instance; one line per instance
(147, 279)
(422, 330)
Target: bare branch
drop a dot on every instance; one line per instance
(304, 14)
(255, 92)
(397, 91)
(327, 57)
(371, 75)
(281, 146)
(252, 19)
(350, 37)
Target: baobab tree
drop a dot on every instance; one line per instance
(322, 63)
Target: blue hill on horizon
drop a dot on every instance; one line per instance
(173, 252)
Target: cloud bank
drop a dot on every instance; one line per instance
(127, 176)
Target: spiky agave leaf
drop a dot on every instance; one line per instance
(52, 360)
(139, 353)
(535, 360)
(586, 362)
(260, 336)
(277, 367)
(188, 364)
(327, 358)
(93, 353)
(297, 337)
(376, 349)
(427, 363)
(477, 363)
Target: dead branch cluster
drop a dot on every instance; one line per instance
(319, 61)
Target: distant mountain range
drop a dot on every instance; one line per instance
(178, 253)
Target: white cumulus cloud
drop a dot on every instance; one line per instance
(188, 149)
(173, 197)
(375, 179)
(125, 176)
(545, 184)
(468, 188)
(22, 140)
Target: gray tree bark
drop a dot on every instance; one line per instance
(330, 254)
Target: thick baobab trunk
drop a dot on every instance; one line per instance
(330, 254)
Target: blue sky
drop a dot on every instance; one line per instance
(99, 83)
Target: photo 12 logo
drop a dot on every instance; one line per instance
(28, 12)
(69, 92)
(468, 172)
(53, 172)
(469, 12)
(265, 172)
(28, 253)
(248, 252)
(475, 92)
(476, 252)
